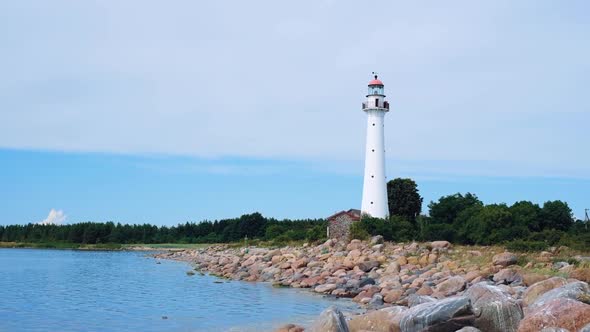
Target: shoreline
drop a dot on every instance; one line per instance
(393, 282)
(100, 247)
(346, 305)
(406, 286)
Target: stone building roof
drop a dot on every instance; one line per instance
(354, 214)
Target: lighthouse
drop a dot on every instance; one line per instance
(375, 183)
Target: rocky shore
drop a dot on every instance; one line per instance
(418, 287)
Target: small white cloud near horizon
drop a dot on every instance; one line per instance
(55, 217)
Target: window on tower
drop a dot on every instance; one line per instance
(375, 90)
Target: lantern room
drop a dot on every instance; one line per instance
(376, 96)
(376, 87)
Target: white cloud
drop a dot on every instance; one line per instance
(55, 217)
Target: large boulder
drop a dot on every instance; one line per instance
(377, 239)
(415, 299)
(440, 245)
(367, 266)
(451, 286)
(562, 313)
(445, 315)
(354, 254)
(354, 244)
(366, 281)
(393, 295)
(495, 311)
(507, 276)
(325, 288)
(249, 261)
(302, 262)
(529, 279)
(574, 290)
(376, 301)
(539, 288)
(581, 274)
(392, 268)
(272, 253)
(330, 320)
(384, 320)
(366, 294)
(471, 275)
(505, 259)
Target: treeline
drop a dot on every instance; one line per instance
(251, 226)
(464, 219)
(458, 218)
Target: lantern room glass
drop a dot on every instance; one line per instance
(376, 90)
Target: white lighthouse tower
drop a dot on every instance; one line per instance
(375, 183)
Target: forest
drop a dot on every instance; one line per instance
(465, 219)
(458, 218)
(249, 226)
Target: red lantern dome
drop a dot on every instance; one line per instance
(375, 81)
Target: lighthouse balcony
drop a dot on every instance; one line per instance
(376, 106)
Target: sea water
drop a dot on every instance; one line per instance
(72, 290)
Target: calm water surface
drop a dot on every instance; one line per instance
(67, 290)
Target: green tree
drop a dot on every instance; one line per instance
(484, 227)
(377, 226)
(556, 215)
(462, 229)
(273, 231)
(316, 233)
(448, 208)
(402, 230)
(404, 199)
(527, 214)
(251, 225)
(493, 224)
(434, 232)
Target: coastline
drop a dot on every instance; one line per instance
(100, 247)
(407, 286)
(401, 285)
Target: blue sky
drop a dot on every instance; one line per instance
(172, 189)
(165, 112)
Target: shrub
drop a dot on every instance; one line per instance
(549, 236)
(434, 232)
(522, 245)
(295, 234)
(358, 231)
(316, 233)
(402, 230)
(281, 239)
(273, 231)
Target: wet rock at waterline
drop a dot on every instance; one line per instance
(330, 320)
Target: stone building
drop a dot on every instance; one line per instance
(339, 224)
